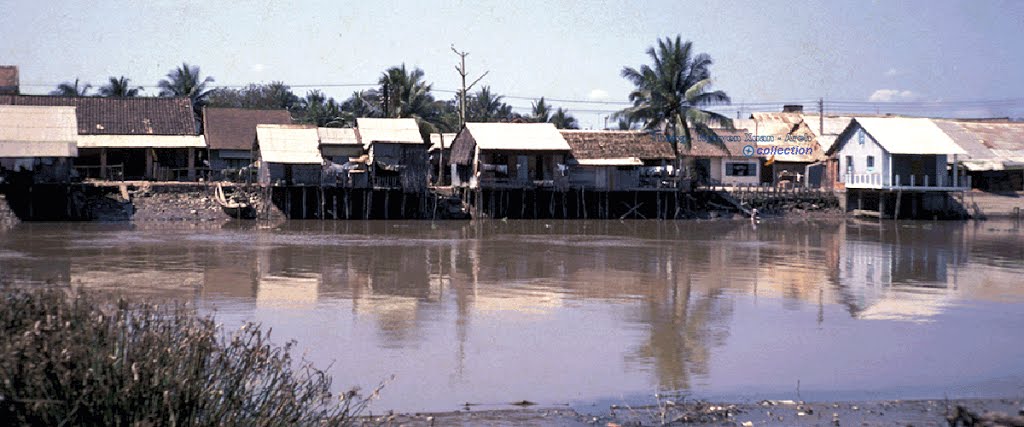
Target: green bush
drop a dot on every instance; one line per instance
(69, 358)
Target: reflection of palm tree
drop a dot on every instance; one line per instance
(682, 333)
(119, 86)
(71, 89)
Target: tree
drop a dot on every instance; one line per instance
(273, 95)
(541, 111)
(118, 86)
(185, 81)
(563, 120)
(316, 108)
(486, 106)
(408, 96)
(72, 89)
(669, 95)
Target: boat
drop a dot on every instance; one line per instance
(235, 206)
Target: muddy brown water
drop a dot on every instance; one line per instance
(587, 313)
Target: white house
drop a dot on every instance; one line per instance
(889, 153)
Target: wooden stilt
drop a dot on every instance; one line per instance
(387, 205)
(303, 202)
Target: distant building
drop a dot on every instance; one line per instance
(9, 84)
(38, 140)
(896, 153)
(130, 138)
(726, 164)
(288, 155)
(397, 153)
(995, 152)
(617, 160)
(510, 155)
(230, 133)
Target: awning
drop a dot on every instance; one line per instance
(625, 161)
(141, 141)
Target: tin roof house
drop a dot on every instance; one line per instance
(396, 152)
(617, 160)
(995, 152)
(130, 138)
(509, 155)
(38, 140)
(897, 153)
(289, 155)
(230, 133)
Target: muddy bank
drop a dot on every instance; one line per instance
(765, 413)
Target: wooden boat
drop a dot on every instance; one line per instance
(235, 206)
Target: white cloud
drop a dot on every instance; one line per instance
(598, 94)
(893, 72)
(258, 67)
(887, 95)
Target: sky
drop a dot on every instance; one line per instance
(932, 58)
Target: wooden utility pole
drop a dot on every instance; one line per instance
(821, 116)
(461, 68)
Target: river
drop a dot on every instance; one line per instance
(586, 313)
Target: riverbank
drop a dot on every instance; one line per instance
(765, 413)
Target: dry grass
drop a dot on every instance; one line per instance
(68, 358)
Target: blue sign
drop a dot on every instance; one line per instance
(748, 150)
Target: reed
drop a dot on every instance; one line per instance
(71, 358)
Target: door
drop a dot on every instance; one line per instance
(523, 168)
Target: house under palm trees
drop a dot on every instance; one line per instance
(230, 133)
(617, 160)
(396, 153)
(509, 155)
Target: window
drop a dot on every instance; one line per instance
(849, 165)
(740, 169)
(871, 164)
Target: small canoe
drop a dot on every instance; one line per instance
(235, 207)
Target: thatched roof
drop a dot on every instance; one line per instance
(606, 145)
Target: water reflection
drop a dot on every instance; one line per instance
(664, 293)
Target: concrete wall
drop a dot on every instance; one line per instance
(859, 146)
(722, 166)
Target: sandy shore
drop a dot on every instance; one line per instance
(765, 413)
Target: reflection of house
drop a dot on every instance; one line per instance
(896, 153)
(509, 155)
(616, 160)
(289, 155)
(287, 291)
(725, 165)
(995, 152)
(133, 138)
(230, 133)
(38, 139)
(397, 153)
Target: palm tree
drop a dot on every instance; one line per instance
(563, 120)
(185, 81)
(316, 108)
(69, 89)
(541, 111)
(486, 106)
(669, 94)
(118, 86)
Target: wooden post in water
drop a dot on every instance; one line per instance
(303, 202)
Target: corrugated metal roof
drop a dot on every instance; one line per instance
(401, 131)
(517, 136)
(293, 144)
(338, 136)
(28, 131)
(141, 141)
(900, 135)
(989, 146)
(435, 140)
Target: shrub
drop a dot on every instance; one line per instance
(69, 358)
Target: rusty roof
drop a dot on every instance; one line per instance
(120, 116)
(607, 144)
(9, 79)
(235, 128)
(733, 139)
(989, 145)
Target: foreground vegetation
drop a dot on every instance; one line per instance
(70, 358)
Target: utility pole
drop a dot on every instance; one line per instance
(821, 116)
(461, 68)
(387, 100)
